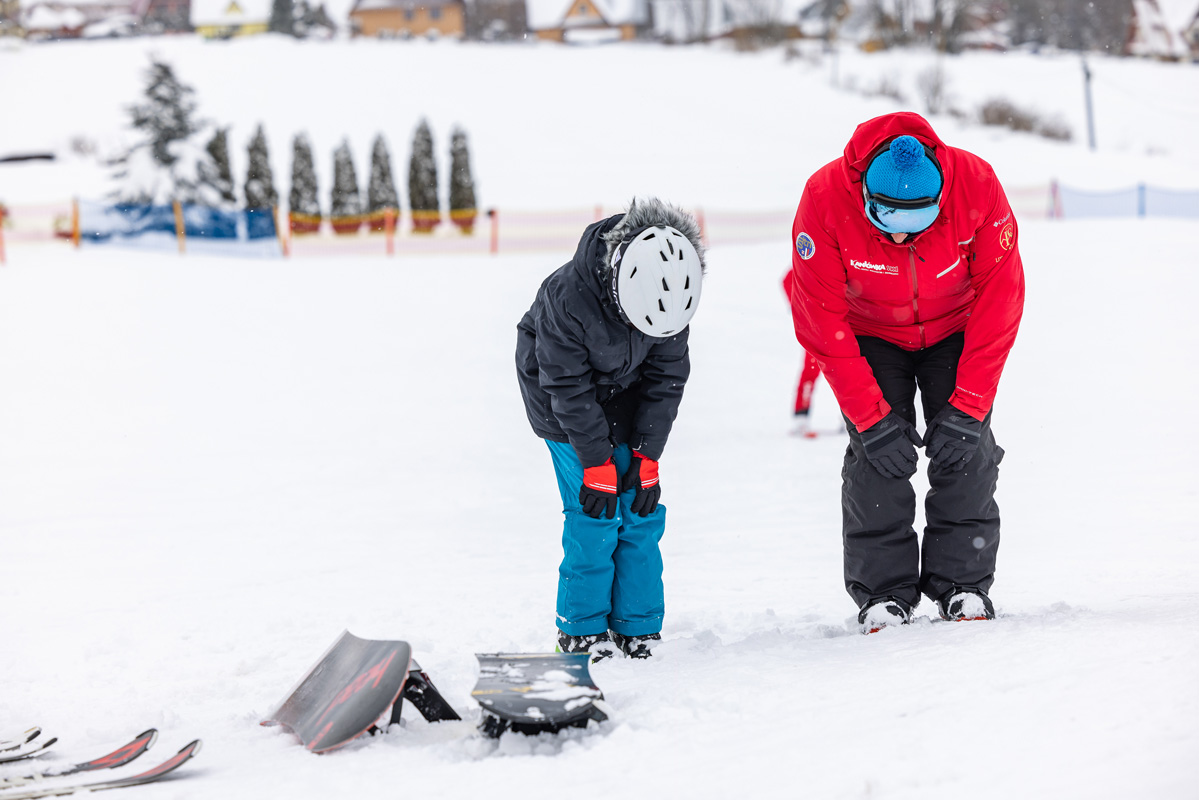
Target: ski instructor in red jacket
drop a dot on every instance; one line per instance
(906, 274)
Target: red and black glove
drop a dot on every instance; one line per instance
(642, 476)
(599, 489)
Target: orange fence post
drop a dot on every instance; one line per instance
(279, 231)
(2, 260)
(75, 222)
(389, 230)
(180, 230)
(495, 230)
(703, 229)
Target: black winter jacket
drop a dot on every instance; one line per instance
(588, 377)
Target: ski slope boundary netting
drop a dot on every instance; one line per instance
(255, 233)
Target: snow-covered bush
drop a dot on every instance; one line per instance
(381, 195)
(345, 203)
(462, 184)
(422, 181)
(260, 182)
(305, 208)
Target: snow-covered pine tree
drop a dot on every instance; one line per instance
(162, 166)
(462, 184)
(215, 176)
(260, 183)
(381, 194)
(305, 207)
(282, 18)
(345, 207)
(422, 181)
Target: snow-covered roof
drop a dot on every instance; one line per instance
(1178, 14)
(383, 5)
(1159, 25)
(545, 14)
(230, 12)
(42, 18)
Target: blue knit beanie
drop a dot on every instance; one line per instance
(903, 171)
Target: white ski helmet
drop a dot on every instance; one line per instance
(656, 280)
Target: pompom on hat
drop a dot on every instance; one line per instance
(903, 171)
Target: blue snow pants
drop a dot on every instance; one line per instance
(611, 572)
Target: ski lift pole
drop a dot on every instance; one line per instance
(1086, 74)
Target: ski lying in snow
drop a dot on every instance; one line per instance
(344, 692)
(27, 749)
(536, 693)
(17, 742)
(117, 758)
(149, 776)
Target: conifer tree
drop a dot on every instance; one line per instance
(260, 183)
(215, 175)
(162, 166)
(422, 180)
(345, 200)
(462, 183)
(282, 18)
(303, 197)
(381, 193)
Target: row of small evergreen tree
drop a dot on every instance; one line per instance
(346, 200)
(167, 166)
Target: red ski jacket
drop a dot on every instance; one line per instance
(850, 279)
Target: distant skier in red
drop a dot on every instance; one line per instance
(803, 393)
(906, 275)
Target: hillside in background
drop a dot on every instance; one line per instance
(552, 125)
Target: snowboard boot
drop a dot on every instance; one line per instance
(636, 646)
(960, 605)
(599, 645)
(879, 614)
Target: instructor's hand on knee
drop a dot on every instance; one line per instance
(952, 438)
(599, 491)
(890, 445)
(642, 476)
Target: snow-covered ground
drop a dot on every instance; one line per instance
(211, 467)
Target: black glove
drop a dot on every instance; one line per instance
(952, 438)
(642, 476)
(891, 444)
(598, 493)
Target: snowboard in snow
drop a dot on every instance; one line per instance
(533, 693)
(344, 692)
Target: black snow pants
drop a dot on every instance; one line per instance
(883, 557)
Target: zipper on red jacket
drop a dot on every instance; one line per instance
(915, 293)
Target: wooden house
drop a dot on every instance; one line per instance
(587, 21)
(399, 18)
(1165, 29)
(223, 19)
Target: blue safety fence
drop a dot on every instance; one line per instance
(1138, 201)
(204, 230)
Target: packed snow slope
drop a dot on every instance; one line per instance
(212, 467)
(209, 468)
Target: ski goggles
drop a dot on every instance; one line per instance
(893, 215)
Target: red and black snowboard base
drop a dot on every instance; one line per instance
(534, 693)
(350, 687)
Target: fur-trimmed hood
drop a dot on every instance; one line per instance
(643, 214)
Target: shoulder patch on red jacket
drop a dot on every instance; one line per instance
(805, 246)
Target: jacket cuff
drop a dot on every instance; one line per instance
(594, 456)
(649, 449)
(872, 418)
(969, 404)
